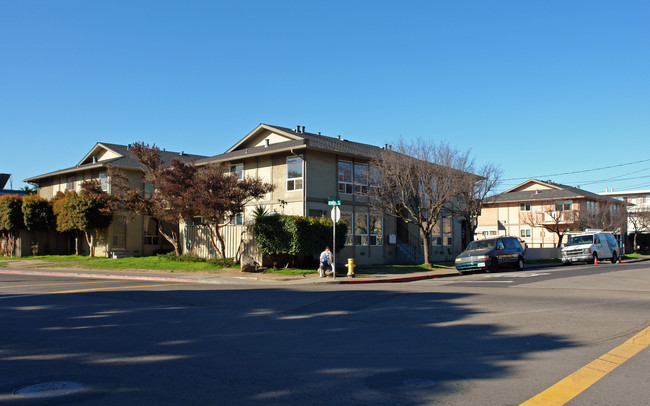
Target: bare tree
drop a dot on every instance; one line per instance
(416, 183)
(558, 222)
(640, 221)
(604, 215)
(473, 188)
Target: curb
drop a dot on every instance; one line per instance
(103, 276)
(397, 280)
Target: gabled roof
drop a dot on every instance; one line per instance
(292, 139)
(120, 156)
(536, 190)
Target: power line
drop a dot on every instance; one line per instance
(582, 171)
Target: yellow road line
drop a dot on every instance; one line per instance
(579, 381)
(62, 283)
(116, 288)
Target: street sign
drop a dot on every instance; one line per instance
(336, 213)
(333, 201)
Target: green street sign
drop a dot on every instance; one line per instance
(333, 201)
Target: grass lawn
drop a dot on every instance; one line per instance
(160, 262)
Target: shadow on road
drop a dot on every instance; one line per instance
(255, 346)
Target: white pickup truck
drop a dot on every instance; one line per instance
(590, 247)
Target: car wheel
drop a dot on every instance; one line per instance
(614, 257)
(494, 265)
(520, 264)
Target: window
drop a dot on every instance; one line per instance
(524, 206)
(316, 213)
(345, 177)
(69, 185)
(376, 230)
(446, 231)
(436, 236)
(148, 190)
(119, 232)
(237, 170)
(347, 219)
(525, 233)
(294, 173)
(360, 229)
(488, 233)
(151, 231)
(563, 206)
(361, 179)
(238, 219)
(103, 181)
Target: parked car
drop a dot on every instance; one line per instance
(590, 247)
(491, 254)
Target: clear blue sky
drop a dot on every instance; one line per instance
(538, 87)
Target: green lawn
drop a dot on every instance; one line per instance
(160, 262)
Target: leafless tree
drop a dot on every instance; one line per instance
(416, 182)
(473, 189)
(604, 215)
(640, 220)
(558, 222)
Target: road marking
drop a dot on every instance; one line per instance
(516, 275)
(54, 284)
(576, 383)
(115, 288)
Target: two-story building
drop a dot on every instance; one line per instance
(307, 168)
(538, 212)
(129, 234)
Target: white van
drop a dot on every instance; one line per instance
(589, 247)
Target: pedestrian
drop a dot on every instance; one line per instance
(325, 262)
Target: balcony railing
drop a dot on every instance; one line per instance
(556, 217)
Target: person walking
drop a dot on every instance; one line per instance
(325, 262)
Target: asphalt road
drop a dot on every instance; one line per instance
(484, 339)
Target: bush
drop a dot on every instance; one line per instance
(221, 262)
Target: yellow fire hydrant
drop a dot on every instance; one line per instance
(350, 265)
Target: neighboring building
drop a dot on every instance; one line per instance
(639, 201)
(306, 169)
(129, 234)
(534, 208)
(4, 178)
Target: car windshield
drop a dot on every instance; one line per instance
(581, 239)
(481, 244)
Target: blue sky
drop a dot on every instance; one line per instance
(541, 88)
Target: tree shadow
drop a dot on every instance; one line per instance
(200, 345)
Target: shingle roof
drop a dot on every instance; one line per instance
(125, 161)
(559, 193)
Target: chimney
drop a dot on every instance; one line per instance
(182, 153)
(338, 137)
(319, 133)
(385, 146)
(302, 130)
(297, 129)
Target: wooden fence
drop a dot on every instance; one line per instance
(239, 241)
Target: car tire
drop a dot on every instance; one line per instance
(520, 264)
(614, 257)
(494, 265)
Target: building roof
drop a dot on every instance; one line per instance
(546, 190)
(120, 156)
(295, 139)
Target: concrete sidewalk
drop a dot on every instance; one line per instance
(225, 276)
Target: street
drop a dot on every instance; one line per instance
(482, 339)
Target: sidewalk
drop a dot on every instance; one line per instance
(225, 276)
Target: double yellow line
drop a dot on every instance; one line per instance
(579, 381)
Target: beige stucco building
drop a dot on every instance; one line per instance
(129, 234)
(533, 209)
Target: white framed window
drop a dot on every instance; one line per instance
(376, 228)
(349, 237)
(360, 229)
(436, 236)
(103, 181)
(69, 184)
(237, 170)
(361, 179)
(525, 233)
(345, 177)
(238, 219)
(524, 206)
(489, 233)
(294, 173)
(563, 205)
